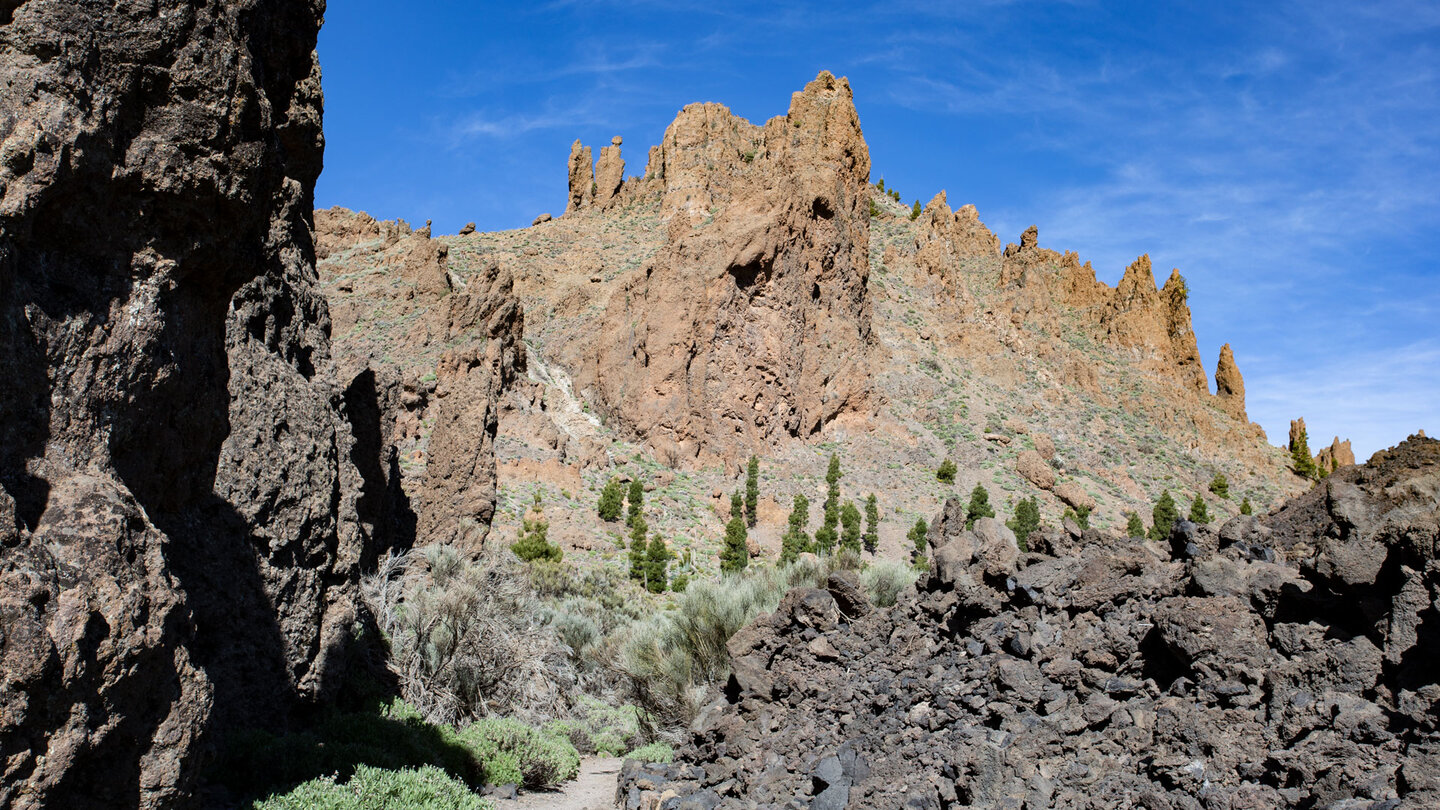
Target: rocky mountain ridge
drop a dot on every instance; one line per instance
(752, 293)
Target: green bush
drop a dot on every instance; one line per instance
(514, 753)
(883, 581)
(390, 736)
(654, 752)
(425, 788)
(946, 473)
(1246, 508)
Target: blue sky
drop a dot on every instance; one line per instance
(1285, 156)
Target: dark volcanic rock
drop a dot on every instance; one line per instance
(187, 488)
(1283, 663)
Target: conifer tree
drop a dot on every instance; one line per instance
(1220, 486)
(917, 538)
(850, 523)
(638, 533)
(1246, 508)
(1300, 457)
(1198, 511)
(1134, 527)
(637, 501)
(872, 524)
(1026, 521)
(735, 553)
(1163, 517)
(612, 500)
(657, 561)
(795, 541)
(752, 492)
(1080, 515)
(532, 544)
(946, 473)
(915, 211)
(827, 535)
(979, 506)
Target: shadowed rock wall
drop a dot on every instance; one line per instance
(180, 487)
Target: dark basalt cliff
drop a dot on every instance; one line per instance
(188, 489)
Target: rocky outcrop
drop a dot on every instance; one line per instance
(1337, 455)
(1287, 664)
(1298, 434)
(190, 486)
(752, 325)
(452, 339)
(1156, 321)
(1229, 385)
(609, 173)
(582, 178)
(945, 238)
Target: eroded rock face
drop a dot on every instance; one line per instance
(1337, 455)
(609, 173)
(1229, 385)
(582, 178)
(1288, 664)
(186, 476)
(752, 325)
(450, 342)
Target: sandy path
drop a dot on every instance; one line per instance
(594, 789)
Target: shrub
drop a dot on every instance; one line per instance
(425, 788)
(883, 581)
(1163, 517)
(979, 506)
(946, 473)
(514, 753)
(1246, 508)
(1081, 516)
(1220, 487)
(612, 500)
(472, 641)
(1025, 522)
(654, 752)
(598, 728)
(871, 539)
(533, 544)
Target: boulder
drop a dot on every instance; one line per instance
(1033, 468)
